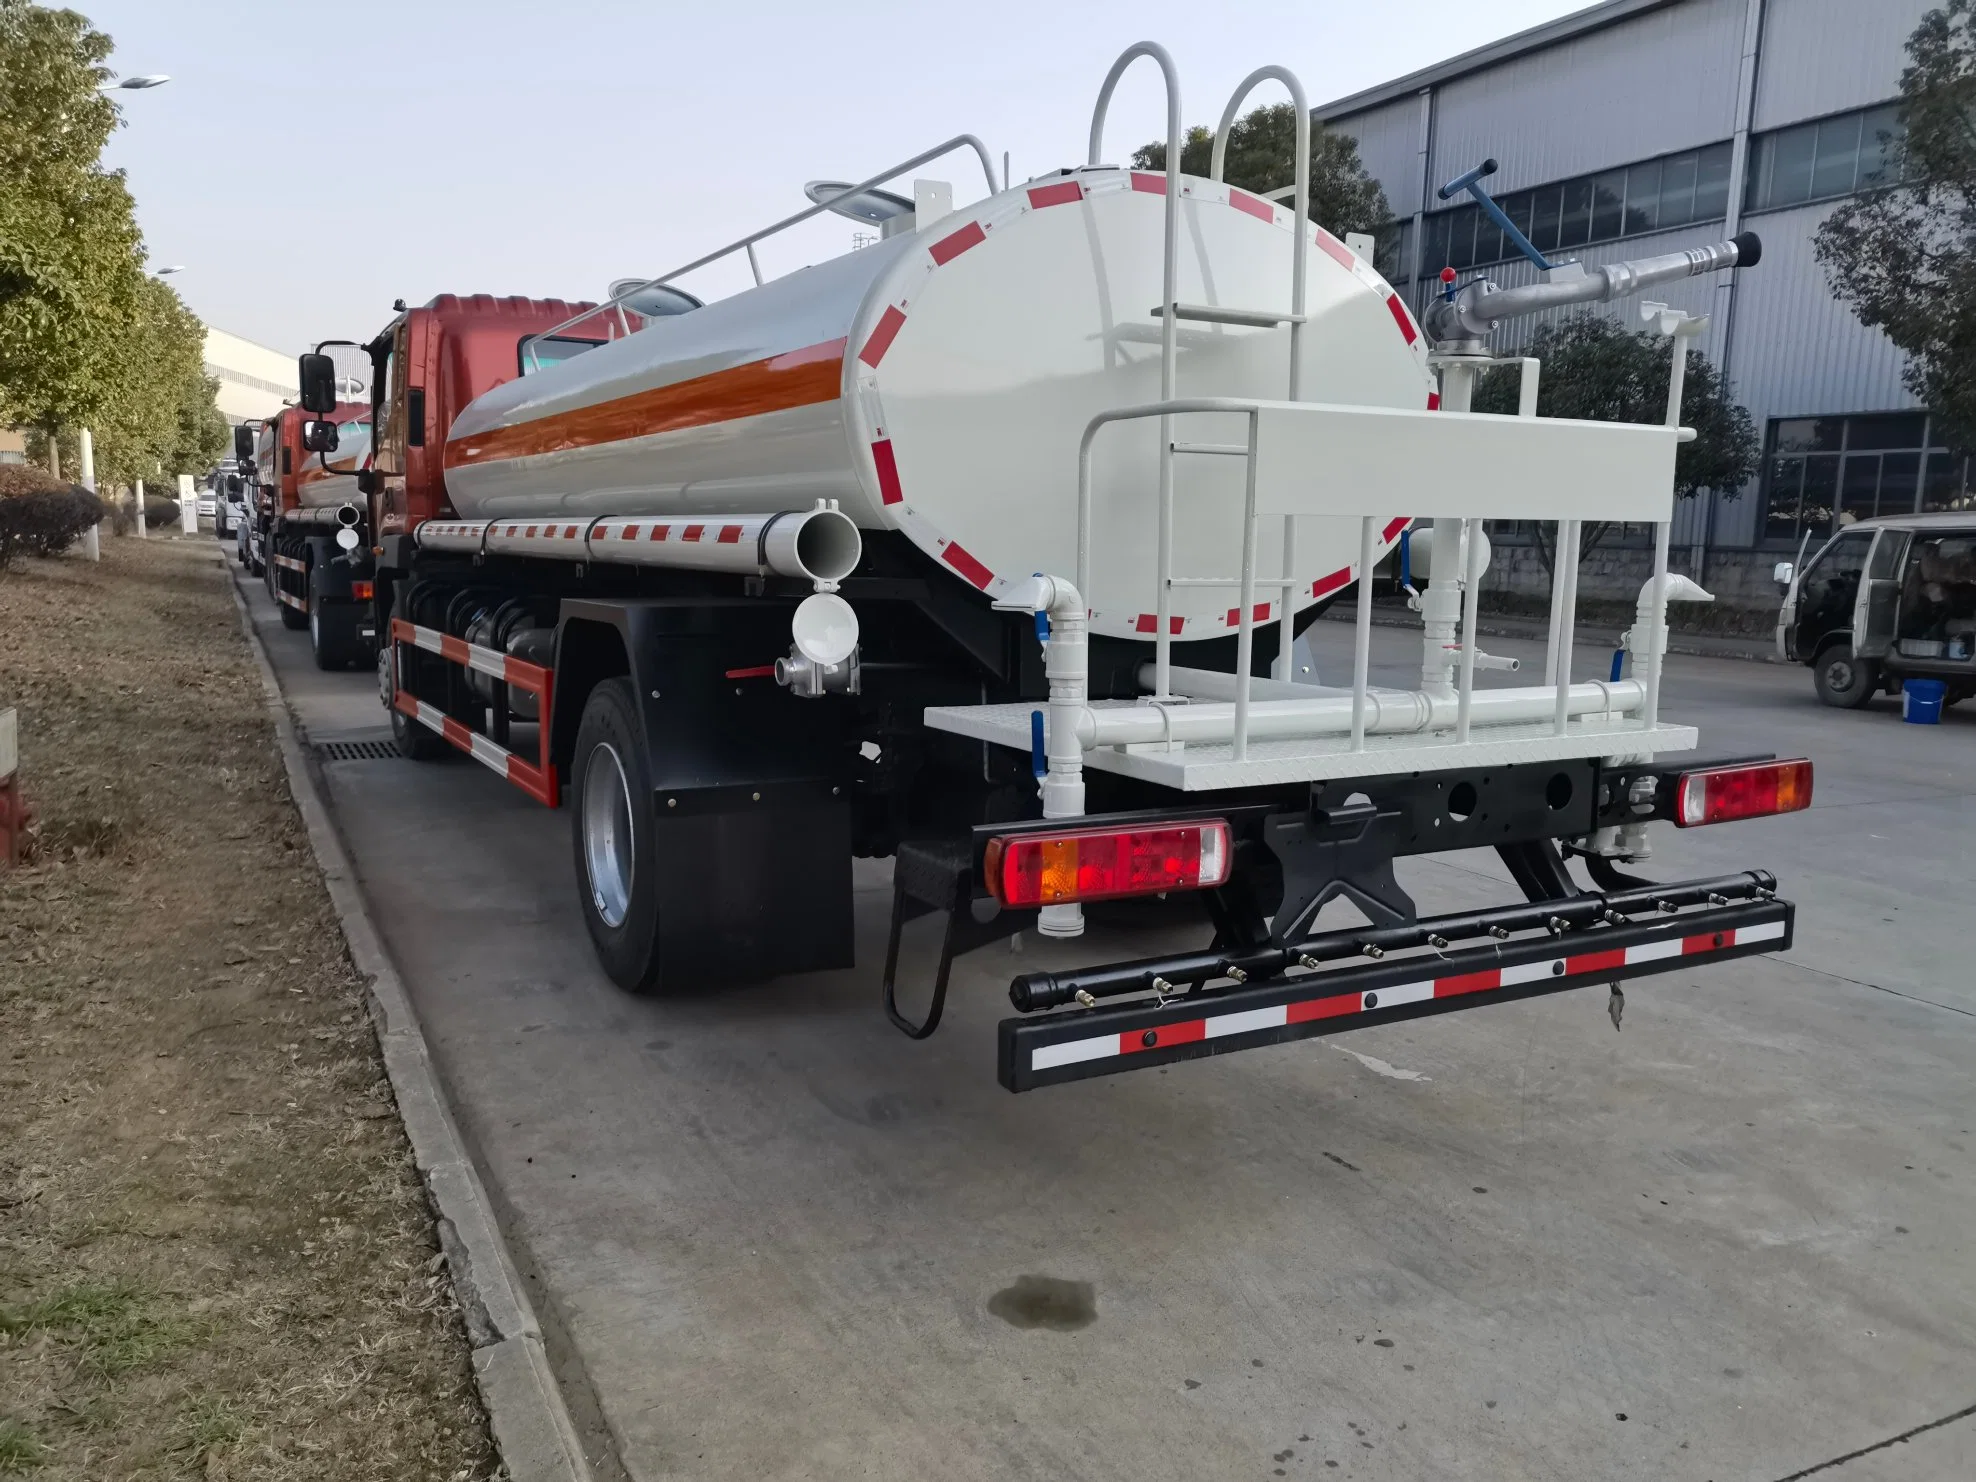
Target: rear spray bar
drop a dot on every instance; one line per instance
(1068, 1046)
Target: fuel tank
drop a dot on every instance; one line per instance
(939, 382)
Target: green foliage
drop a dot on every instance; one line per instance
(1905, 257)
(1262, 156)
(115, 1325)
(20, 1451)
(1596, 371)
(39, 514)
(87, 337)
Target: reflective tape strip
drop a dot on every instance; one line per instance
(516, 672)
(299, 603)
(290, 563)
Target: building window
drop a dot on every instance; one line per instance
(1825, 470)
(1825, 159)
(12, 455)
(1653, 196)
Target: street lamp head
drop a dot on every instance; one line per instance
(137, 84)
(178, 267)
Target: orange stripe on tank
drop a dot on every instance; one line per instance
(799, 378)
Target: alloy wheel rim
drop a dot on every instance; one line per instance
(607, 835)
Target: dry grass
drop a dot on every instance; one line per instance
(216, 1259)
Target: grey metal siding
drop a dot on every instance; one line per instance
(1827, 56)
(1659, 82)
(1389, 148)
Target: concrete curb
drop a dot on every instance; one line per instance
(532, 1426)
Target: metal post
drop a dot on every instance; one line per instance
(1245, 632)
(1470, 603)
(1362, 634)
(92, 538)
(143, 534)
(1169, 323)
(1287, 617)
(1679, 329)
(1568, 622)
(754, 266)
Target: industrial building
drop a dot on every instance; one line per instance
(1639, 127)
(255, 381)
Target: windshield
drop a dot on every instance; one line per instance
(540, 351)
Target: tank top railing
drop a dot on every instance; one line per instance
(616, 303)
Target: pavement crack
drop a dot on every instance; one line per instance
(1878, 988)
(1838, 1461)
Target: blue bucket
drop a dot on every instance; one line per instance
(1921, 701)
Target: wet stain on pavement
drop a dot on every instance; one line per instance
(1046, 1302)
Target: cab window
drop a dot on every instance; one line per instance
(388, 454)
(540, 351)
(1831, 583)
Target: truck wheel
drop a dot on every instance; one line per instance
(415, 742)
(331, 631)
(611, 832)
(293, 618)
(1843, 679)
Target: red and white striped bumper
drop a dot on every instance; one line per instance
(1075, 1044)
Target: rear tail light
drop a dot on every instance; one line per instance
(1103, 864)
(361, 590)
(1753, 790)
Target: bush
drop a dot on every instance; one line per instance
(160, 514)
(39, 514)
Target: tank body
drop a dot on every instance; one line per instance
(938, 383)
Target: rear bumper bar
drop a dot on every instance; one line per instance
(1588, 940)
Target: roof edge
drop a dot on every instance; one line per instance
(1536, 38)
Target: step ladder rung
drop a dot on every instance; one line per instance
(1222, 450)
(1215, 314)
(1232, 581)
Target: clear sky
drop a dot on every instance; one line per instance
(309, 163)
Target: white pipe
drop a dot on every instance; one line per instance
(1470, 605)
(1362, 635)
(820, 545)
(1567, 622)
(1066, 663)
(1215, 684)
(1388, 712)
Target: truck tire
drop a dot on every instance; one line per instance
(332, 630)
(1842, 679)
(415, 742)
(292, 618)
(611, 828)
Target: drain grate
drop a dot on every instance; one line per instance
(358, 751)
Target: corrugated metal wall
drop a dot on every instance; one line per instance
(1657, 83)
(1389, 148)
(1826, 56)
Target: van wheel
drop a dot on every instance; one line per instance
(1844, 680)
(611, 828)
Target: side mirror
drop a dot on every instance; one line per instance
(233, 485)
(1782, 573)
(366, 481)
(243, 444)
(319, 437)
(317, 373)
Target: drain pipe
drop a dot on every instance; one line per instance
(1063, 623)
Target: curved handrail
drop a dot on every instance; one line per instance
(1169, 321)
(969, 140)
(1297, 263)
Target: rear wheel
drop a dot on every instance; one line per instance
(1843, 678)
(332, 629)
(611, 830)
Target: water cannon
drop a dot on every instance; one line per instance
(1461, 318)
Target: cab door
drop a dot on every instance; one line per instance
(1876, 611)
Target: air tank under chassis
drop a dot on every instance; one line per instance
(939, 383)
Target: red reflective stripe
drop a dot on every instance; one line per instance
(1061, 194)
(1322, 1008)
(1708, 942)
(659, 532)
(455, 649)
(1262, 614)
(967, 566)
(1148, 622)
(528, 534)
(888, 472)
(1461, 983)
(456, 733)
(693, 532)
(889, 325)
(1596, 962)
(1151, 184)
(1165, 1037)
(1433, 401)
(1256, 206)
(525, 676)
(947, 249)
(1393, 528)
(1335, 249)
(629, 532)
(1325, 585)
(1401, 317)
(729, 535)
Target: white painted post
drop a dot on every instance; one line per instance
(142, 532)
(188, 505)
(92, 538)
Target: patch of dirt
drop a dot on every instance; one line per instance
(216, 1257)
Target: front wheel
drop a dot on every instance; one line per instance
(1843, 678)
(611, 835)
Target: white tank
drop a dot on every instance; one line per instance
(938, 383)
(320, 487)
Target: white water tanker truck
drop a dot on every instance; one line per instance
(983, 548)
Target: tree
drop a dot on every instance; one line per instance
(1262, 157)
(1904, 256)
(1596, 371)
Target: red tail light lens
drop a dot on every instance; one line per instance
(361, 590)
(1104, 864)
(1721, 794)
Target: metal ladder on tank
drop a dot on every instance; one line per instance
(1170, 312)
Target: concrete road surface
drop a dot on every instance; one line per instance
(777, 1240)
